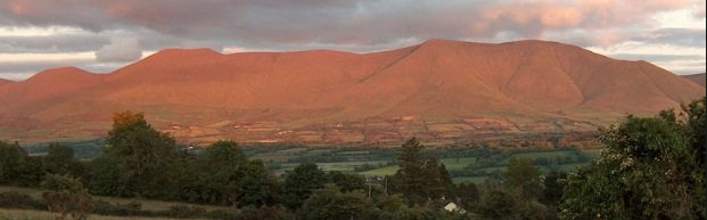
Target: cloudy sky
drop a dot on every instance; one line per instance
(102, 35)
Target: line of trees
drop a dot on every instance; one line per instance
(650, 168)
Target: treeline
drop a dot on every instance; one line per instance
(650, 168)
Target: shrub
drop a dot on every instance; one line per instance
(67, 197)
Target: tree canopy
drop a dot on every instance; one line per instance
(650, 168)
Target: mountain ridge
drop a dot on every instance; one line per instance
(445, 88)
(696, 78)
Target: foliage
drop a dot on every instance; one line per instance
(301, 183)
(523, 179)
(258, 187)
(420, 179)
(347, 182)
(497, 204)
(67, 196)
(11, 161)
(553, 188)
(60, 160)
(142, 154)
(224, 181)
(467, 194)
(650, 169)
(331, 203)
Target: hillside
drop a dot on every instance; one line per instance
(441, 91)
(4, 81)
(697, 78)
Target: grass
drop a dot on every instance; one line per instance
(17, 214)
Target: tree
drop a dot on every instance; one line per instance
(553, 187)
(59, 152)
(301, 183)
(650, 168)
(142, 153)
(258, 187)
(497, 204)
(523, 178)
(331, 203)
(67, 196)
(105, 174)
(347, 182)
(420, 179)
(11, 161)
(225, 165)
(60, 160)
(467, 194)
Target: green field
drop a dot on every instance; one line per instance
(463, 164)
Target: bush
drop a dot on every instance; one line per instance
(20, 201)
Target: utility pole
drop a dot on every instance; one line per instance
(385, 178)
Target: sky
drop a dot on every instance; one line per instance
(103, 35)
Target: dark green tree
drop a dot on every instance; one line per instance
(553, 187)
(331, 203)
(497, 204)
(258, 186)
(300, 183)
(143, 156)
(466, 194)
(650, 168)
(12, 158)
(347, 182)
(420, 179)
(225, 165)
(60, 160)
(105, 174)
(523, 179)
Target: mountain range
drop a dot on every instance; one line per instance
(441, 91)
(697, 78)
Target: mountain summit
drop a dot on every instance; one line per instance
(439, 90)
